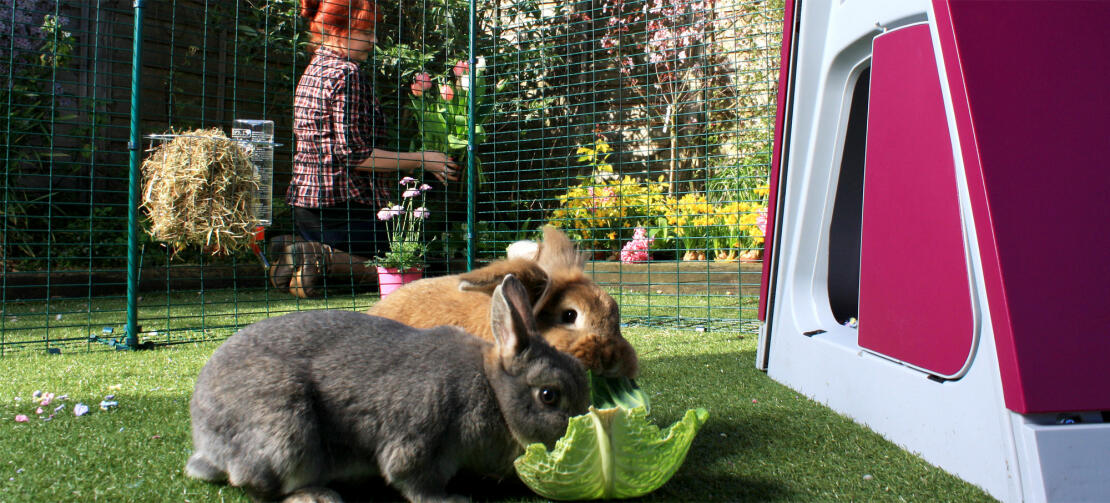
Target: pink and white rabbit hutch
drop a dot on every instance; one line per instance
(942, 175)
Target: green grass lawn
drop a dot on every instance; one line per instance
(66, 324)
(763, 442)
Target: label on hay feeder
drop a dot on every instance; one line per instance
(257, 137)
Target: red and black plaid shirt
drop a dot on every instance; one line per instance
(336, 120)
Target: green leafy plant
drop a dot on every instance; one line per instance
(442, 117)
(405, 227)
(36, 109)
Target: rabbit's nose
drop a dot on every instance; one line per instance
(621, 361)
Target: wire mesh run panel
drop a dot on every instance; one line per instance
(642, 129)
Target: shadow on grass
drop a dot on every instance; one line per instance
(719, 464)
(765, 442)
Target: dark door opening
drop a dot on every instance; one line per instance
(847, 219)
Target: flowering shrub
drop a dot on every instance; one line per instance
(598, 212)
(601, 211)
(404, 225)
(692, 221)
(730, 230)
(664, 44)
(603, 208)
(737, 234)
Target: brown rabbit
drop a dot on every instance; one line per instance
(572, 313)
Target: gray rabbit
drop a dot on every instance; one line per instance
(294, 402)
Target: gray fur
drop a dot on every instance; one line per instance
(289, 404)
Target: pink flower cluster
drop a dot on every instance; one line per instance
(388, 212)
(636, 251)
(422, 82)
(411, 190)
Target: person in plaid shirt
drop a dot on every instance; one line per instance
(340, 177)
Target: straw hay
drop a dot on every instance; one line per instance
(199, 189)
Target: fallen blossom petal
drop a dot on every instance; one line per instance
(80, 409)
(38, 411)
(108, 404)
(21, 418)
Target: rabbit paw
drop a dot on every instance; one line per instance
(199, 467)
(313, 495)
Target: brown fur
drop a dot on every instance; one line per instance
(556, 284)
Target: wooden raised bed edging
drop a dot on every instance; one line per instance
(679, 277)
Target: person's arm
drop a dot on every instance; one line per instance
(353, 114)
(436, 163)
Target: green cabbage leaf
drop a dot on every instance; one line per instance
(609, 454)
(609, 392)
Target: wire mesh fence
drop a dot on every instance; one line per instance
(640, 128)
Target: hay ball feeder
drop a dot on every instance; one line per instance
(200, 188)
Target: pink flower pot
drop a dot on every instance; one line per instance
(390, 279)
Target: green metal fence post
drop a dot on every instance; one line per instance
(471, 116)
(135, 180)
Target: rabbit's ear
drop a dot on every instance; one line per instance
(486, 279)
(557, 252)
(511, 319)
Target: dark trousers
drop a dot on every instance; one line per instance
(352, 228)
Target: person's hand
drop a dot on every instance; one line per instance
(440, 165)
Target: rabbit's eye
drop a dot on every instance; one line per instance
(549, 396)
(568, 316)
